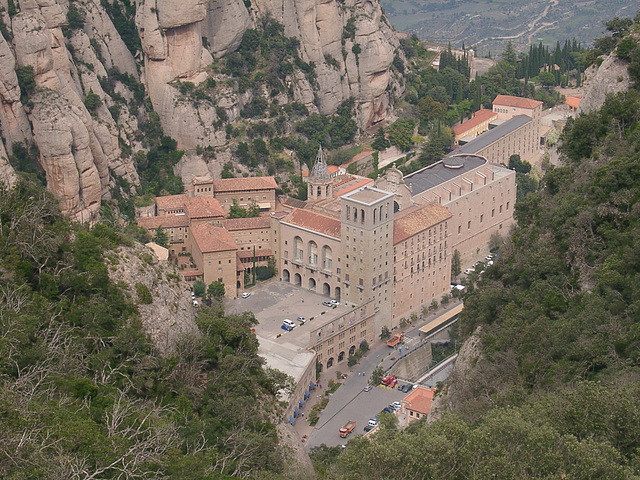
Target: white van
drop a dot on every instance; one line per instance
(288, 323)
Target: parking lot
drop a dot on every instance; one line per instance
(273, 302)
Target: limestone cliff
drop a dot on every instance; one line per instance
(611, 77)
(352, 62)
(170, 314)
(69, 73)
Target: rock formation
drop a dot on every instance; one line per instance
(611, 77)
(355, 65)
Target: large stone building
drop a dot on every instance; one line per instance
(478, 124)
(243, 191)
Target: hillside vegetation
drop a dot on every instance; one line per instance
(83, 392)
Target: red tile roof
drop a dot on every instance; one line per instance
(347, 183)
(332, 168)
(204, 207)
(212, 239)
(246, 223)
(171, 202)
(573, 101)
(164, 221)
(365, 153)
(479, 117)
(314, 221)
(417, 219)
(243, 184)
(419, 400)
(517, 102)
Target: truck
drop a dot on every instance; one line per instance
(389, 381)
(347, 428)
(395, 340)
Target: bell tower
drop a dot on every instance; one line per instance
(320, 184)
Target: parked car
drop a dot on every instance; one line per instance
(195, 303)
(387, 410)
(368, 428)
(302, 320)
(396, 405)
(469, 271)
(246, 294)
(193, 296)
(289, 324)
(334, 303)
(372, 422)
(327, 303)
(367, 388)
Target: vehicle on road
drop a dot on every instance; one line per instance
(389, 381)
(302, 320)
(396, 405)
(246, 294)
(327, 303)
(288, 325)
(368, 428)
(195, 303)
(373, 422)
(367, 388)
(395, 340)
(334, 303)
(388, 410)
(347, 428)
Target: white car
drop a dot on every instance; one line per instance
(396, 405)
(335, 303)
(195, 303)
(302, 320)
(246, 294)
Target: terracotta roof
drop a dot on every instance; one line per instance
(203, 207)
(332, 169)
(200, 180)
(191, 272)
(573, 101)
(171, 202)
(165, 221)
(517, 102)
(260, 252)
(295, 203)
(419, 400)
(418, 219)
(212, 239)
(314, 221)
(347, 183)
(242, 184)
(246, 223)
(479, 117)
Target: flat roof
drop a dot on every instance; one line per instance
(438, 173)
(493, 135)
(367, 195)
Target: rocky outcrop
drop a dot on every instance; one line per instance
(354, 64)
(79, 151)
(170, 314)
(611, 77)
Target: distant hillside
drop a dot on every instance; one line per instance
(489, 24)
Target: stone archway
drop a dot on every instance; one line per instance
(352, 350)
(286, 276)
(297, 280)
(336, 293)
(326, 290)
(340, 357)
(312, 284)
(330, 363)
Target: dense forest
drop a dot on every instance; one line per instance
(83, 392)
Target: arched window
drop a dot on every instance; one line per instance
(327, 258)
(312, 252)
(298, 253)
(362, 218)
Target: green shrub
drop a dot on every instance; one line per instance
(144, 295)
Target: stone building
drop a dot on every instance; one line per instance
(421, 258)
(478, 124)
(252, 236)
(215, 252)
(480, 196)
(244, 191)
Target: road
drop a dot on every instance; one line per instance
(350, 402)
